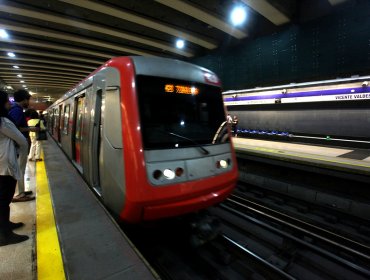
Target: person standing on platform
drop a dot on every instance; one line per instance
(229, 119)
(34, 154)
(235, 126)
(10, 171)
(16, 115)
(42, 118)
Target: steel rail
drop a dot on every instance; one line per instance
(255, 256)
(321, 251)
(298, 224)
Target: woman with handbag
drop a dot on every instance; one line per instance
(12, 142)
(35, 149)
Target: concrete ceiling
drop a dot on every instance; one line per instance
(58, 43)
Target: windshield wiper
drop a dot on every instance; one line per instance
(204, 150)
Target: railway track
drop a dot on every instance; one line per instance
(273, 270)
(352, 247)
(352, 231)
(255, 243)
(342, 261)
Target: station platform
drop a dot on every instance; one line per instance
(350, 160)
(72, 236)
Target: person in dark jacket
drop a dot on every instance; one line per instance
(17, 116)
(12, 144)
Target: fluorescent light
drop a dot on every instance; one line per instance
(238, 15)
(22, 81)
(9, 87)
(15, 66)
(19, 76)
(24, 86)
(11, 54)
(180, 44)
(32, 93)
(3, 34)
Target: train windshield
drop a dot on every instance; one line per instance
(176, 113)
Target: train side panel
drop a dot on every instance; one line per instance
(92, 139)
(111, 146)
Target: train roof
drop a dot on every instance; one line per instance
(152, 66)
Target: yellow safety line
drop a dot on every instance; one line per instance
(49, 257)
(270, 150)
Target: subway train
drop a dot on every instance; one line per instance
(149, 136)
(330, 111)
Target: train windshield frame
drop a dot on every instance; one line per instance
(177, 113)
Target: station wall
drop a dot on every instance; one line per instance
(337, 45)
(348, 120)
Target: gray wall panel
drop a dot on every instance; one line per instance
(314, 119)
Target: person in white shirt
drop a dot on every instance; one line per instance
(34, 154)
(229, 119)
(12, 143)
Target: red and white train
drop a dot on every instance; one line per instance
(149, 136)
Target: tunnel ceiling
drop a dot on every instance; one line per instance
(58, 43)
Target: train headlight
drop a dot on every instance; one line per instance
(169, 174)
(222, 163)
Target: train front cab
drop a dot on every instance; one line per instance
(150, 122)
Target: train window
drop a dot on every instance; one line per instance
(177, 113)
(111, 113)
(66, 119)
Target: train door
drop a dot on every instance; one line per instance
(55, 122)
(77, 138)
(87, 125)
(51, 121)
(59, 125)
(110, 160)
(100, 159)
(66, 128)
(96, 140)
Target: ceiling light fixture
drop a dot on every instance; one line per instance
(22, 81)
(19, 76)
(3, 34)
(11, 54)
(180, 44)
(15, 66)
(238, 15)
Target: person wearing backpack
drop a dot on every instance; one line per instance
(34, 154)
(17, 116)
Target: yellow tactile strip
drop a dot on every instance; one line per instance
(49, 257)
